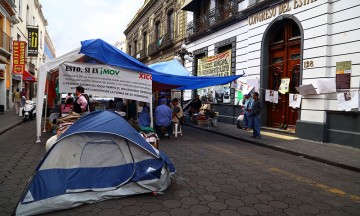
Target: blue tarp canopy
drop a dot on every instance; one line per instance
(170, 67)
(110, 55)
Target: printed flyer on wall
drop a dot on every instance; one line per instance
(295, 100)
(348, 100)
(284, 86)
(271, 96)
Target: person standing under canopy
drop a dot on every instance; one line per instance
(81, 104)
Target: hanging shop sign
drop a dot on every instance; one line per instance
(33, 37)
(19, 48)
(277, 10)
(343, 74)
(103, 80)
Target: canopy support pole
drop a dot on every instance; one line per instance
(46, 103)
(151, 112)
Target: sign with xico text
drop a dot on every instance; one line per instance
(19, 48)
(103, 80)
(217, 65)
(33, 42)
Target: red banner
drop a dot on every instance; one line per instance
(19, 48)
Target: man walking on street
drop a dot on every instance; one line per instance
(255, 115)
(17, 101)
(248, 103)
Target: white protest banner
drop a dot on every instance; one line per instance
(348, 100)
(284, 86)
(306, 89)
(294, 100)
(103, 80)
(325, 86)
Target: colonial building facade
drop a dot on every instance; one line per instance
(157, 31)
(304, 41)
(7, 13)
(31, 29)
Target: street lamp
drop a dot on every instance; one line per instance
(183, 55)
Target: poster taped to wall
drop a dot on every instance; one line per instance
(271, 96)
(254, 83)
(244, 88)
(348, 100)
(325, 86)
(217, 65)
(284, 86)
(295, 100)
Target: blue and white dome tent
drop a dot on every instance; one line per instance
(99, 157)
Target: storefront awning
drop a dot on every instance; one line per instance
(28, 77)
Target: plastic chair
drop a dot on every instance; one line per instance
(177, 129)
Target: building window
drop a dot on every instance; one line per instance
(20, 8)
(135, 47)
(129, 51)
(18, 37)
(171, 24)
(144, 40)
(157, 30)
(27, 15)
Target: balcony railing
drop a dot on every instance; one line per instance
(141, 55)
(4, 41)
(163, 42)
(212, 18)
(153, 48)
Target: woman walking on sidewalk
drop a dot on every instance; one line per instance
(17, 101)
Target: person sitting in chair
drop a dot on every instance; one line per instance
(177, 113)
(163, 116)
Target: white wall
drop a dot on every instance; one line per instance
(331, 34)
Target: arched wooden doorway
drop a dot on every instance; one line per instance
(284, 62)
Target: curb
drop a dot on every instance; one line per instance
(314, 158)
(9, 128)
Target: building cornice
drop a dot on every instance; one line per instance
(142, 12)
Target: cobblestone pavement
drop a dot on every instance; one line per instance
(215, 176)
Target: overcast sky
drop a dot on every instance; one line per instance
(71, 21)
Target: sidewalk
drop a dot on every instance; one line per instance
(8, 120)
(328, 153)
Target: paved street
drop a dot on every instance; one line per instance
(215, 176)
